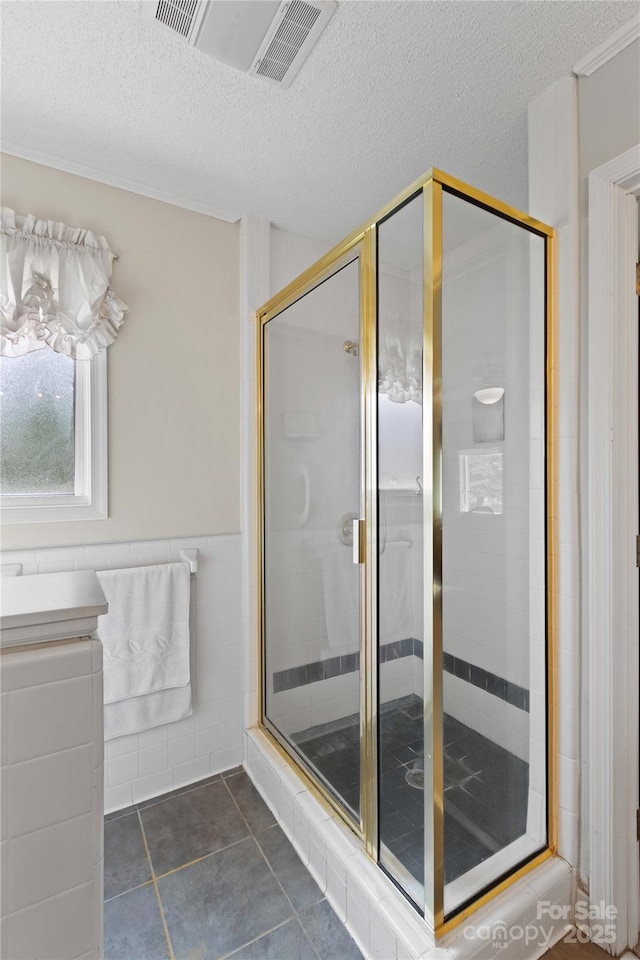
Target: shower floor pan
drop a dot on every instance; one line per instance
(485, 786)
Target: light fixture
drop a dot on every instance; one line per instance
(489, 394)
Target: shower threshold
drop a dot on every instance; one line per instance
(485, 786)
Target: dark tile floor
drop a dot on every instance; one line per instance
(486, 787)
(333, 750)
(206, 872)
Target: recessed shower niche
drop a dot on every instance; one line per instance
(406, 562)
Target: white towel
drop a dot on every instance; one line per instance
(143, 713)
(145, 639)
(341, 585)
(395, 620)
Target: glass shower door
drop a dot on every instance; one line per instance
(408, 398)
(312, 495)
(493, 547)
(461, 551)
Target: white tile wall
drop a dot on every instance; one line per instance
(51, 784)
(493, 718)
(153, 762)
(486, 557)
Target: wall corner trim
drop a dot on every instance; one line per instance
(611, 636)
(608, 49)
(554, 198)
(255, 258)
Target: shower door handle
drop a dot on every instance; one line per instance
(358, 540)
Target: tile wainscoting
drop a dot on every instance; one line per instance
(51, 781)
(148, 764)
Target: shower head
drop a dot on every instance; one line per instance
(350, 347)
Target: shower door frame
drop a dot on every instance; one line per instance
(358, 246)
(361, 244)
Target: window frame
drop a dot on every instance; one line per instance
(90, 500)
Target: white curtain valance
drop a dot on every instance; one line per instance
(55, 289)
(399, 358)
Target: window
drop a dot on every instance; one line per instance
(58, 315)
(400, 454)
(53, 433)
(37, 428)
(481, 481)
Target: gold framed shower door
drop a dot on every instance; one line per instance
(361, 244)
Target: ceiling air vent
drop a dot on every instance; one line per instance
(265, 38)
(182, 16)
(291, 34)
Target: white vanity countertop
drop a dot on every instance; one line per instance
(49, 606)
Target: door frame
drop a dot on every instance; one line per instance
(355, 248)
(612, 582)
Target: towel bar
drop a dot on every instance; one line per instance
(191, 557)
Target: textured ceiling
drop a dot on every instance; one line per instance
(391, 89)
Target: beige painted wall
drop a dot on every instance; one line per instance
(174, 371)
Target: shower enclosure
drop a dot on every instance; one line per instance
(406, 525)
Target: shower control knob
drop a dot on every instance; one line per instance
(344, 528)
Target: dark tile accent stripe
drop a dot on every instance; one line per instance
(338, 666)
(396, 649)
(479, 677)
(313, 672)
